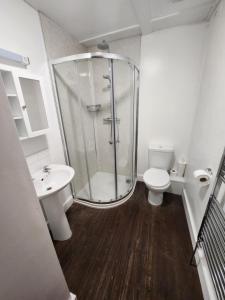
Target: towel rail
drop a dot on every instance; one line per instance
(211, 235)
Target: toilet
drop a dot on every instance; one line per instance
(156, 177)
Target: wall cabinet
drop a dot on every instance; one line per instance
(26, 95)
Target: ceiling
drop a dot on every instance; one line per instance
(91, 21)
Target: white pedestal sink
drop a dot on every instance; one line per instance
(48, 184)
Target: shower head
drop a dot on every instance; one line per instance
(103, 46)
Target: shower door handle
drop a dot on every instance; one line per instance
(109, 120)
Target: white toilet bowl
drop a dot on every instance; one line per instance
(157, 181)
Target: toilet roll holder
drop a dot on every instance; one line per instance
(203, 176)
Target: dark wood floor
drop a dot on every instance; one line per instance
(132, 252)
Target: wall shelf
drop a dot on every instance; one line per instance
(24, 138)
(11, 95)
(15, 106)
(9, 84)
(17, 118)
(26, 100)
(21, 128)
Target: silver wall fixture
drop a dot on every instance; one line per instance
(94, 108)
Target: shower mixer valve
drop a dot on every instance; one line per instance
(109, 120)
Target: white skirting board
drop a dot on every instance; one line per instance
(203, 271)
(140, 177)
(72, 297)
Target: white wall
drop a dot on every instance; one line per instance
(29, 265)
(21, 32)
(129, 47)
(208, 135)
(171, 63)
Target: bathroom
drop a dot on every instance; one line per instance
(112, 149)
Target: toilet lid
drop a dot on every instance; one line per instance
(156, 177)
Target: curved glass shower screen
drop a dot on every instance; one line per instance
(97, 103)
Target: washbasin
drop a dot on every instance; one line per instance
(48, 183)
(52, 179)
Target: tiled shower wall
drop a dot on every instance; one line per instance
(58, 43)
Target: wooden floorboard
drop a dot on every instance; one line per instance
(131, 252)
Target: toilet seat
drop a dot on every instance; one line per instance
(157, 178)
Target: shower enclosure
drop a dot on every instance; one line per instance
(97, 103)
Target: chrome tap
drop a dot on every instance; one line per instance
(46, 169)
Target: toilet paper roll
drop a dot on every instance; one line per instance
(203, 177)
(173, 172)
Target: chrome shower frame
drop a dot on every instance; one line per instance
(111, 57)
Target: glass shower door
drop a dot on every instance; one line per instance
(70, 110)
(124, 87)
(97, 99)
(96, 122)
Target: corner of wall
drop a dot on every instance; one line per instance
(202, 267)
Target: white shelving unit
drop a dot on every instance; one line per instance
(14, 102)
(15, 106)
(26, 99)
(9, 83)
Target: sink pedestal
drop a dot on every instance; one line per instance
(56, 217)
